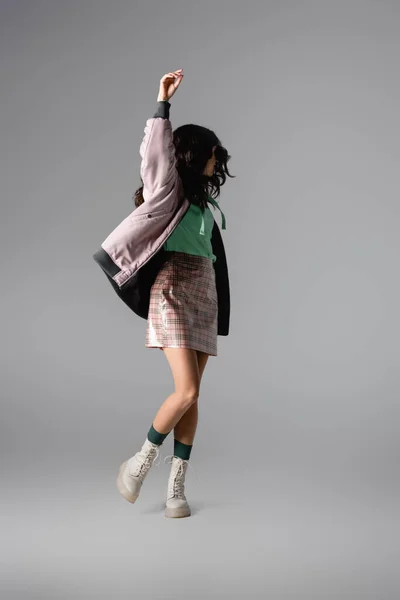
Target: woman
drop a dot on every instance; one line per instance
(182, 305)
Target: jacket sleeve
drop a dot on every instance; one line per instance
(158, 167)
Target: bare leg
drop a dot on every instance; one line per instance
(185, 429)
(185, 371)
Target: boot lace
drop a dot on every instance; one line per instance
(144, 465)
(176, 483)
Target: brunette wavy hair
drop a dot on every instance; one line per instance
(193, 148)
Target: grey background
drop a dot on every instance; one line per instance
(294, 482)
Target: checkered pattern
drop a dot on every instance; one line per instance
(183, 309)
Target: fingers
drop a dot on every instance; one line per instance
(173, 74)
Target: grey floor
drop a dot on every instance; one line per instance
(262, 529)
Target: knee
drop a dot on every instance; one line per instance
(188, 397)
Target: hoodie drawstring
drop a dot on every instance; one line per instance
(202, 224)
(214, 203)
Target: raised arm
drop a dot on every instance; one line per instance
(158, 166)
(157, 169)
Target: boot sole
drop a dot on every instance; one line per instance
(123, 490)
(177, 512)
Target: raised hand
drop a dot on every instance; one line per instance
(169, 83)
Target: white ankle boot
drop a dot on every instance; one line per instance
(133, 471)
(176, 504)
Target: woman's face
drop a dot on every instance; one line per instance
(209, 168)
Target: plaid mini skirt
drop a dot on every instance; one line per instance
(183, 308)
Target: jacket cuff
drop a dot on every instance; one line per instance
(162, 109)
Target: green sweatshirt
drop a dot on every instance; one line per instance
(193, 233)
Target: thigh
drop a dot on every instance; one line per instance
(185, 369)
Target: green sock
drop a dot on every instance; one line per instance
(182, 450)
(155, 436)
